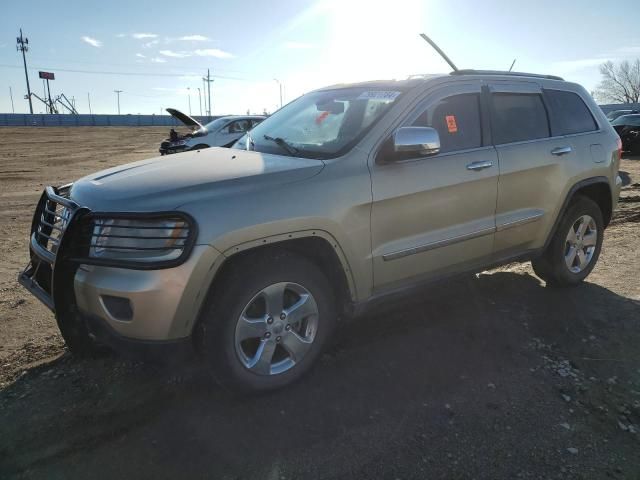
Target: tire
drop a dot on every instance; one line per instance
(77, 338)
(553, 266)
(244, 291)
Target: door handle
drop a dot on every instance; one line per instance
(479, 165)
(561, 151)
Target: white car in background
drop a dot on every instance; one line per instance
(221, 132)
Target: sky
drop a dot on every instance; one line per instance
(157, 52)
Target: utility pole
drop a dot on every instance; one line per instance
(89, 101)
(13, 110)
(208, 80)
(118, 92)
(189, 97)
(200, 100)
(23, 46)
(280, 85)
(50, 102)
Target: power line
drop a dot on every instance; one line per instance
(141, 74)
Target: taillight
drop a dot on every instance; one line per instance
(619, 148)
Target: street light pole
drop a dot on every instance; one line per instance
(13, 110)
(280, 86)
(118, 92)
(23, 46)
(200, 100)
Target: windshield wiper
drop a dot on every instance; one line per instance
(282, 143)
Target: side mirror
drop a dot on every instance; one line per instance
(416, 141)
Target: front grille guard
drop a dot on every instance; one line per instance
(52, 221)
(61, 233)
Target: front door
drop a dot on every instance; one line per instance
(434, 215)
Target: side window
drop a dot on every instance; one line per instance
(239, 126)
(457, 120)
(569, 113)
(517, 117)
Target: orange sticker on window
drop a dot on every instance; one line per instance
(451, 124)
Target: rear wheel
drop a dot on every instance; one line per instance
(268, 322)
(575, 246)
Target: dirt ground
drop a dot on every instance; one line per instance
(489, 376)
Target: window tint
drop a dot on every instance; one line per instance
(457, 120)
(569, 113)
(517, 117)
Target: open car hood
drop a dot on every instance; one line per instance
(184, 118)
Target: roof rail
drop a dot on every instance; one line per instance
(469, 71)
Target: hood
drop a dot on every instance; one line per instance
(165, 183)
(184, 118)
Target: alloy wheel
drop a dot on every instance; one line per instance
(276, 329)
(580, 243)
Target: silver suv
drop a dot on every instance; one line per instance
(346, 197)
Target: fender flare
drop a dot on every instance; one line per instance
(311, 233)
(572, 191)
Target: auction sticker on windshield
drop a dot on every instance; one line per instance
(379, 95)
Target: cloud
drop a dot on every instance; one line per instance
(619, 54)
(194, 38)
(205, 52)
(150, 44)
(171, 53)
(158, 60)
(298, 45)
(140, 36)
(121, 35)
(578, 64)
(92, 41)
(139, 55)
(212, 52)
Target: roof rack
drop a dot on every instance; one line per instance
(470, 71)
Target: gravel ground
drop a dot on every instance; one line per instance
(488, 376)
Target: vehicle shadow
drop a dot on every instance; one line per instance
(391, 385)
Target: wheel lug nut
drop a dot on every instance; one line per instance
(267, 335)
(287, 328)
(283, 316)
(269, 320)
(278, 339)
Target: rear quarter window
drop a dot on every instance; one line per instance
(517, 117)
(569, 113)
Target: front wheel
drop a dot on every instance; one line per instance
(575, 246)
(268, 322)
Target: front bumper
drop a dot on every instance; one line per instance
(167, 148)
(118, 306)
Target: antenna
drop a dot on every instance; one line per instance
(437, 49)
(512, 64)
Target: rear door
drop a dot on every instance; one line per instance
(533, 166)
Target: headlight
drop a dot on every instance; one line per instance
(139, 240)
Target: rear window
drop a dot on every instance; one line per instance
(517, 117)
(569, 113)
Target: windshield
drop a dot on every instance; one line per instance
(627, 120)
(215, 124)
(322, 124)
